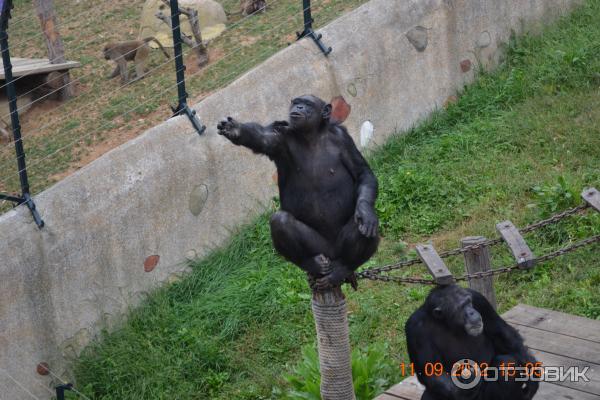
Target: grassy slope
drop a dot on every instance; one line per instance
(59, 138)
(228, 330)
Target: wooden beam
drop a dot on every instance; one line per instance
(434, 263)
(517, 244)
(479, 260)
(592, 197)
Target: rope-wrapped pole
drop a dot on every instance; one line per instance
(330, 312)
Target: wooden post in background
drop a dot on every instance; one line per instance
(479, 260)
(54, 43)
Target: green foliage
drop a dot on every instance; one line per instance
(553, 198)
(371, 373)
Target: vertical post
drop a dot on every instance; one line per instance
(307, 15)
(182, 107)
(14, 115)
(479, 260)
(308, 29)
(60, 391)
(179, 67)
(331, 321)
(54, 43)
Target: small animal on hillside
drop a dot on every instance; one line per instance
(130, 50)
(456, 324)
(327, 223)
(252, 6)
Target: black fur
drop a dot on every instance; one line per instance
(327, 223)
(436, 334)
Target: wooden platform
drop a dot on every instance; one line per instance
(556, 339)
(34, 66)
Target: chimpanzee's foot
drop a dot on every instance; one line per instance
(352, 281)
(324, 264)
(338, 275)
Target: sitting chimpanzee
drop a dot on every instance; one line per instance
(456, 324)
(327, 223)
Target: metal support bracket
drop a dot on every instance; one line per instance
(592, 198)
(25, 197)
(60, 390)
(182, 107)
(516, 243)
(309, 31)
(430, 257)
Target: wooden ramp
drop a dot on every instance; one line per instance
(34, 66)
(556, 339)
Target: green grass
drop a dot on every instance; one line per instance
(518, 144)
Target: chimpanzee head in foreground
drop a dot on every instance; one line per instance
(453, 306)
(308, 113)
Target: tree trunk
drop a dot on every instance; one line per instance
(54, 43)
(199, 47)
(330, 312)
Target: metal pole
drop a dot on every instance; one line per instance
(60, 391)
(14, 115)
(182, 107)
(179, 67)
(307, 15)
(308, 29)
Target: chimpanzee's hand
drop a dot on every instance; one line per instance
(280, 126)
(229, 128)
(366, 219)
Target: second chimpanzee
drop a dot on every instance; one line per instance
(457, 324)
(327, 223)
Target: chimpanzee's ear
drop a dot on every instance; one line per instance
(326, 113)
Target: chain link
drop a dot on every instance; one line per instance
(539, 260)
(370, 272)
(397, 279)
(569, 249)
(486, 274)
(554, 219)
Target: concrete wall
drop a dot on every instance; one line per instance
(171, 193)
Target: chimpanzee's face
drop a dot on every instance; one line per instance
(455, 308)
(306, 112)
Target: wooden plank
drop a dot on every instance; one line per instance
(408, 389)
(592, 197)
(554, 321)
(517, 244)
(24, 66)
(593, 373)
(550, 391)
(555, 343)
(434, 263)
(386, 396)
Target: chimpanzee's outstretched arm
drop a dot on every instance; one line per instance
(366, 184)
(260, 139)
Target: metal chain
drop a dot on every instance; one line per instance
(555, 218)
(386, 268)
(367, 273)
(569, 249)
(493, 272)
(397, 279)
(539, 260)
